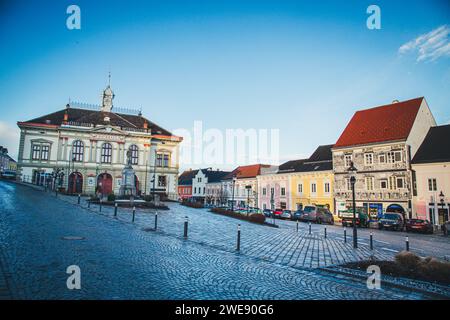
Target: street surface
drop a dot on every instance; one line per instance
(40, 236)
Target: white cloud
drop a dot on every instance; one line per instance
(430, 46)
(9, 138)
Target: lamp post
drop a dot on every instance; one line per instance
(232, 194)
(442, 202)
(352, 172)
(249, 187)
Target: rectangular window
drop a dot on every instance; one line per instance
(283, 191)
(264, 191)
(368, 159)
(300, 188)
(369, 183)
(44, 152)
(400, 183)
(166, 161)
(161, 181)
(432, 185)
(283, 205)
(272, 191)
(348, 158)
(36, 152)
(383, 184)
(394, 156)
(313, 188)
(327, 187)
(382, 158)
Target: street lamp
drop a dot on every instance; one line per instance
(442, 202)
(249, 187)
(352, 172)
(232, 194)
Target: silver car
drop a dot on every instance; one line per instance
(286, 214)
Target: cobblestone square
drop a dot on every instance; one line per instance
(42, 235)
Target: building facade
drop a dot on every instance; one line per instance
(83, 149)
(185, 184)
(312, 180)
(241, 185)
(8, 165)
(431, 175)
(380, 142)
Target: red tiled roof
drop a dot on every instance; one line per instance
(385, 123)
(250, 171)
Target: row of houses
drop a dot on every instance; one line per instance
(7, 164)
(402, 159)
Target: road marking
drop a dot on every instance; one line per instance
(391, 250)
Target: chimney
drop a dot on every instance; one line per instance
(145, 125)
(66, 116)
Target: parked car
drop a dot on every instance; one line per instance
(391, 220)
(277, 213)
(297, 215)
(268, 213)
(362, 219)
(419, 225)
(317, 214)
(286, 214)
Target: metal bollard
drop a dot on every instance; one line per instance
(156, 220)
(100, 208)
(407, 243)
(297, 225)
(345, 234)
(310, 228)
(185, 227)
(371, 241)
(56, 193)
(115, 210)
(134, 213)
(79, 198)
(238, 245)
(325, 232)
(89, 204)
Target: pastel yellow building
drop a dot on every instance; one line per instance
(310, 180)
(312, 187)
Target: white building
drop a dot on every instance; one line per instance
(381, 143)
(206, 186)
(86, 146)
(431, 173)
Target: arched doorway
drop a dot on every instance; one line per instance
(75, 183)
(395, 208)
(104, 183)
(136, 184)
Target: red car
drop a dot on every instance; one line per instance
(277, 213)
(419, 225)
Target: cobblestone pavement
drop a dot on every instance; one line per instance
(283, 245)
(119, 260)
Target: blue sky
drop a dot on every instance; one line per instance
(301, 66)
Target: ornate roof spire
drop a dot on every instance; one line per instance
(108, 96)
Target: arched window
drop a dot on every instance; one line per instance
(78, 151)
(134, 154)
(106, 156)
